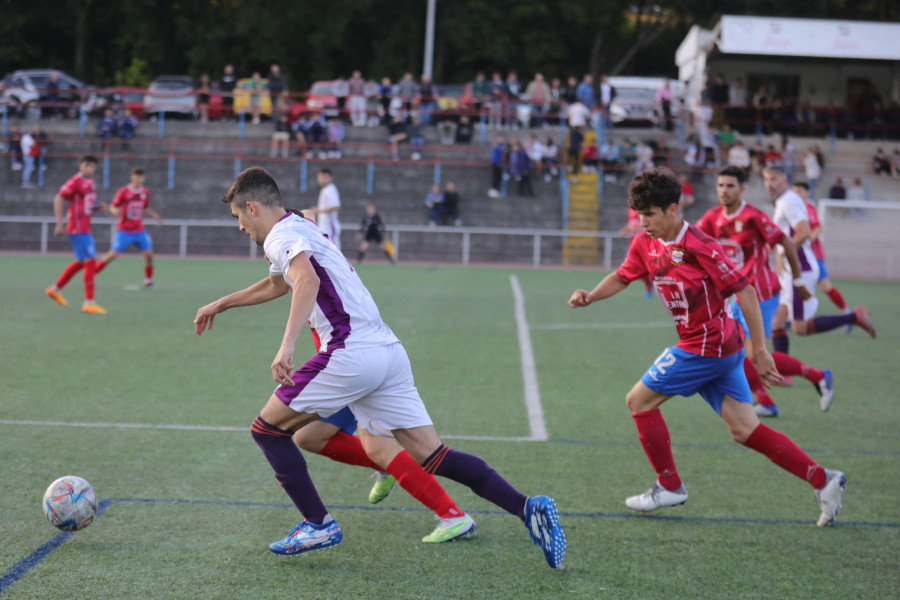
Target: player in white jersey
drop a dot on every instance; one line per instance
(792, 217)
(360, 364)
(327, 210)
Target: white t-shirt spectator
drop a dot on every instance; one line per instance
(329, 222)
(578, 114)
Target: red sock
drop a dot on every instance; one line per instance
(100, 266)
(782, 451)
(68, 273)
(148, 272)
(90, 269)
(347, 449)
(422, 486)
(756, 384)
(837, 298)
(788, 365)
(654, 435)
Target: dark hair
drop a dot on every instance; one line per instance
(802, 184)
(254, 184)
(325, 172)
(654, 187)
(88, 158)
(137, 171)
(736, 172)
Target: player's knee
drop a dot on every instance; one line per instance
(633, 402)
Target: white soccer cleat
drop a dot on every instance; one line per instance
(763, 410)
(829, 496)
(826, 390)
(657, 497)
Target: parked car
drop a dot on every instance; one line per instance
(26, 90)
(635, 101)
(320, 97)
(118, 98)
(171, 94)
(242, 97)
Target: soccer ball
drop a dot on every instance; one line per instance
(70, 503)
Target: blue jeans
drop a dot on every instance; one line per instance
(27, 170)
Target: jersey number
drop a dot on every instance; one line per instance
(665, 360)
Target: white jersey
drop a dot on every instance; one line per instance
(329, 222)
(345, 315)
(790, 210)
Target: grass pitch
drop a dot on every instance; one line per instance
(188, 512)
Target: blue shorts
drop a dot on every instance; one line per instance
(124, 239)
(680, 373)
(823, 272)
(768, 308)
(343, 419)
(83, 245)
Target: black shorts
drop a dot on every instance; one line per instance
(374, 238)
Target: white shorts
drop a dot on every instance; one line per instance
(375, 382)
(798, 308)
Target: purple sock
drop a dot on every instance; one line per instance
(477, 475)
(829, 322)
(290, 469)
(780, 341)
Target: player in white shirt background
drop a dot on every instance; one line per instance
(327, 210)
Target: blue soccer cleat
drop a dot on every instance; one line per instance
(826, 390)
(542, 522)
(307, 536)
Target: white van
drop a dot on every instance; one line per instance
(635, 102)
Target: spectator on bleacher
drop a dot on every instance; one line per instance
(256, 87)
(664, 100)
(341, 90)
(107, 126)
(687, 192)
(787, 157)
(756, 158)
(434, 202)
(498, 158)
(838, 191)
(317, 135)
(555, 101)
(726, 139)
(534, 148)
(737, 100)
(585, 91)
(127, 125)
(356, 91)
(450, 205)
(881, 164)
(14, 147)
(447, 132)
(371, 92)
(643, 155)
(576, 139)
(396, 134)
(551, 159)
(895, 163)
(590, 157)
(719, 99)
(278, 92)
(53, 95)
(426, 97)
(31, 149)
(538, 94)
(496, 100)
(513, 87)
(578, 115)
(464, 130)
(569, 92)
(335, 137)
(771, 158)
(480, 91)
(385, 96)
(407, 89)
(203, 98)
(227, 86)
(416, 136)
(738, 156)
(520, 168)
(856, 193)
(611, 153)
(813, 170)
(281, 137)
(605, 97)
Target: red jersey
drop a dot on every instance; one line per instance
(744, 236)
(817, 248)
(692, 277)
(81, 195)
(132, 203)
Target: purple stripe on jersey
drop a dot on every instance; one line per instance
(302, 376)
(798, 306)
(330, 304)
(801, 254)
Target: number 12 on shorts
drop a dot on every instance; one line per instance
(663, 362)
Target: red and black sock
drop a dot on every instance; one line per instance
(654, 435)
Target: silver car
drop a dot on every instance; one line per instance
(171, 94)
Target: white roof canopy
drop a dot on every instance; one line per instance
(809, 37)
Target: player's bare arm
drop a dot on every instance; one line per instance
(149, 212)
(262, 291)
(58, 213)
(303, 300)
(801, 233)
(790, 253)
(610, 286)
(764, 362)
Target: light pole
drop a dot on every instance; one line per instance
(429, 40)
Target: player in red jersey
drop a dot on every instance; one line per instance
(693, 277)
(801, 188)
(79, 191)
(633, 227)
(744, 233)
(131, 204)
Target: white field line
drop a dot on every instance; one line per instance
(605, 325)
(227, 428)
(529, 374)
